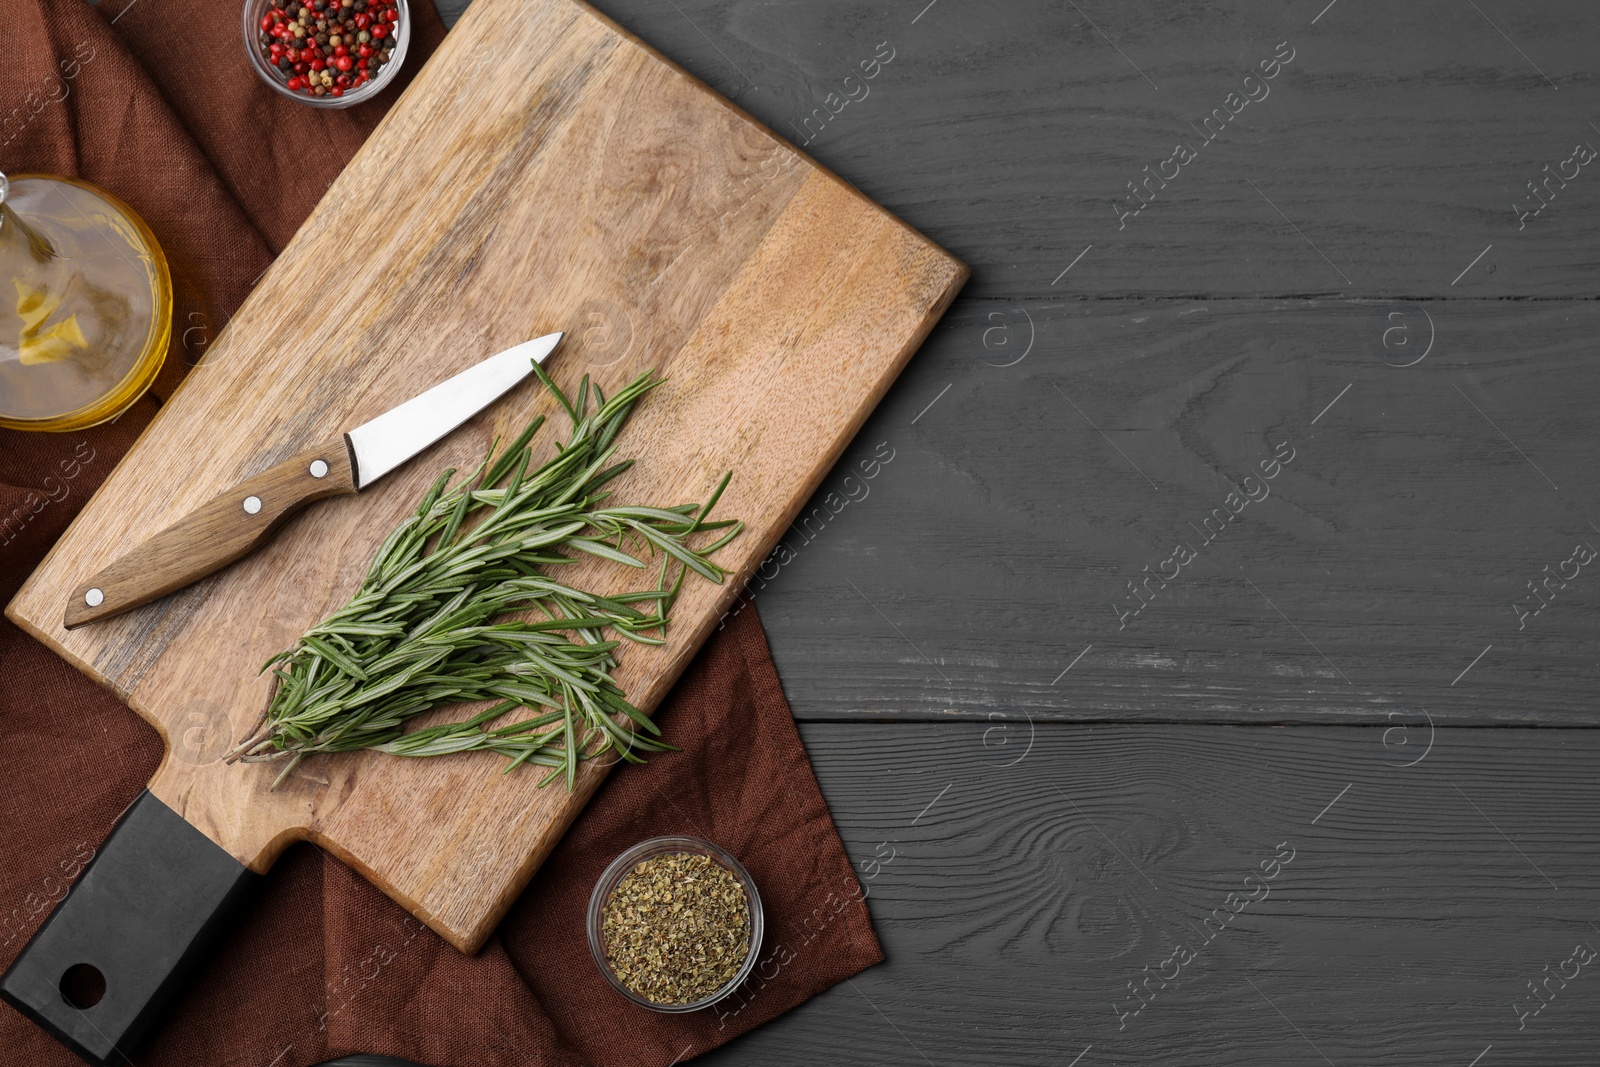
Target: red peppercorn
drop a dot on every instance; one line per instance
(325, 42)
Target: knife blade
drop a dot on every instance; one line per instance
(236, 522)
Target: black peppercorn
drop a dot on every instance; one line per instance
(327, 34)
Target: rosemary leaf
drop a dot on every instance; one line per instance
(458, 607)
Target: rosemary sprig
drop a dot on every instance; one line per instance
(428, 627)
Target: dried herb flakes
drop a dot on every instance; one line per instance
(677, 928)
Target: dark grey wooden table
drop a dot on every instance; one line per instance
(1208, 676)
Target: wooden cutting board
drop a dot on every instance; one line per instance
(546, 171)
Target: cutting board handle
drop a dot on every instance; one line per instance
(228, 526)
(146, 913)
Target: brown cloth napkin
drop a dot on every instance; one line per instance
(153, 100)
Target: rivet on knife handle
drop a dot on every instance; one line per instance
(229, 526)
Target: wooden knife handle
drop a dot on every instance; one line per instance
(230, 525)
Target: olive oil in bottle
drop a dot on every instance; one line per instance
(85, 304)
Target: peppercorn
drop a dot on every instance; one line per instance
(305, 38)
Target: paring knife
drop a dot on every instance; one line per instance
(236, 522)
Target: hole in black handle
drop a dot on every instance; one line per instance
(148, 911)
(83, 985)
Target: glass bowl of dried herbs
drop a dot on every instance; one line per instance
(675, 924)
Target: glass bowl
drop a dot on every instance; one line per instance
(660, 846)
(254, 9)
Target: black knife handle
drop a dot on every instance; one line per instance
(146, 913)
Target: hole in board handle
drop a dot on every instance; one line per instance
(83, 985)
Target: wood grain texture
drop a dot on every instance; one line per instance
(1396, 141)
(1006, 874)
(1393, 550)
(1014, 906)
(1010, 924)
(604, 192)
(992, 550)
(223, 529)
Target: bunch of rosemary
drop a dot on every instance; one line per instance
(428, 626)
